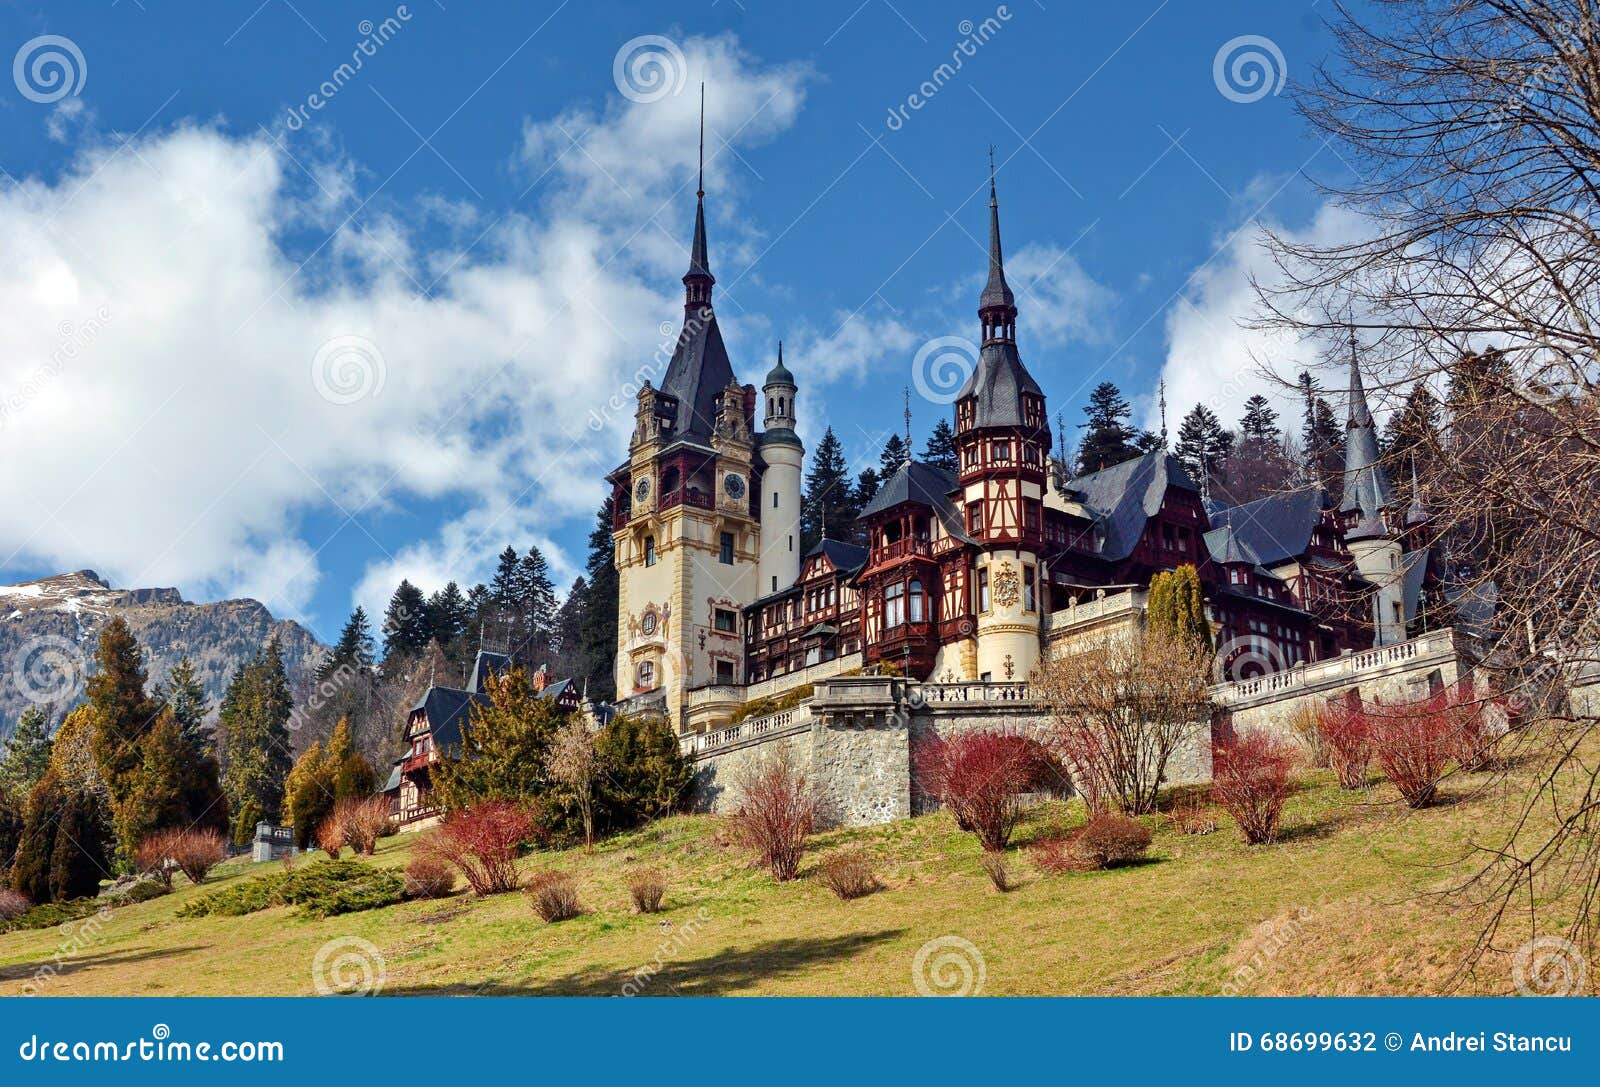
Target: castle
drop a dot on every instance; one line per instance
(965, 579)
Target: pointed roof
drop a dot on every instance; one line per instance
(699, 262)
(1123, 498)
(1416, 513)
(996, 293)
(779, 374)
(998, 381)
(913, 481)
(1367, 492)
(697, 376)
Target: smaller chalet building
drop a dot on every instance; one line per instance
(434, 725)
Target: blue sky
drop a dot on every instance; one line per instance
(297, 359)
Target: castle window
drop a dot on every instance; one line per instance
(774, 583)
(974, 518)
(649, 550)
(983, 588)
(774, 499)
(725, 552)
(1001, 452)
(894, 605)
(725, 620)
(917, 602)
(724, 671)
(646, 675)
(780, 406)
(1027, 588)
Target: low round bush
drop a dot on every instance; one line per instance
(849, 873)
(427, 877)
(647, 887)
(1109, 840)
(554, 895)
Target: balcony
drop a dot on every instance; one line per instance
(697, 499)
(900, 549)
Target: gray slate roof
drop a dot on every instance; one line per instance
(1267, 531)
(697, 376)
(998, 382)
(1125, 496)
(846, 557)
(1366, 483)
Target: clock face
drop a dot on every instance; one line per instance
(642, 491)
(733, 483)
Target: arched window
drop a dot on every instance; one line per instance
(646, 675)
(894, 605)
(780, 406)
(916, 602)
(649, 550)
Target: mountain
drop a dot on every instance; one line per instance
(49, 629)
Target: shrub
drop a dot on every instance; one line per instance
(428, 877)
(1109, 840)
(140, 890)
(361, 821)
(1412, 742)
(848, 873)
(1250, 780)
(13, 904)
(1346, 730)
(994, 866)
(554, 895)
(482, 843)
(979, 776)
(322, 889)
(1193, 818)
(1306, 724)
(192, 852)
(647, 887)
(776, 811)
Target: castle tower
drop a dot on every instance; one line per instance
(686, 526)
(783, 453)
(1366, 507)
(1002, 440)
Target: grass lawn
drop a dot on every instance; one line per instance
(1340, 905)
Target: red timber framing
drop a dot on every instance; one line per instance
(902, 590)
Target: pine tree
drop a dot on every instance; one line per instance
(867, 484)
(535, 609)
(1203, 447)
(504, 745)
(64, 847)
(1258, 465)
(644, 775)
(828, 508)
(1412, 440)
(353, 651)
(254, 731)
(320, 778)
(175, 785)
(1108, 437)
(567, 636)
(1149, 442)
(1176, 606)
(27, 756)
(405, 623)
(598, 625)
(1321, 436)
(449, 616)
(186, 695)
(895, 453)
(123, 711)
(1260, 422)
(941, 448)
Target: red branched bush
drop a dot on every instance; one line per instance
(362, 821)
(1346, 732)
(979, 776)
(192, 852)
(1109, 840)
(775, 813)
(482, 843)
(330, 837)
(1250, 781)
(1412, 742)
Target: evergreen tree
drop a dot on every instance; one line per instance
(449, 616)
(643, 774)
(867, 484)
(1177, 605)
(27, 756)
(254, 730)
(941, 448)
(598, 624)
(1108, 436)
(1149, 442)
(1321, 436)
(534, 610)
(828, 508)
(567, 637)
(185, 695)
(64, 848)
(123, 711)
(1412, 440)
(1258, 465)
(1260, 422)
(175, 785)
(503, 747)
(353, 651)
(321, 777)
(1203, 447)
(405, 623)
(895, 453)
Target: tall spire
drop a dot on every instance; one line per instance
(1366, 484)
(1163, 413)
(698, 279)
(1418, 512)
(997, 307)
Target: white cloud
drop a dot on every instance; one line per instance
(186, 441)
(1212, 358)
